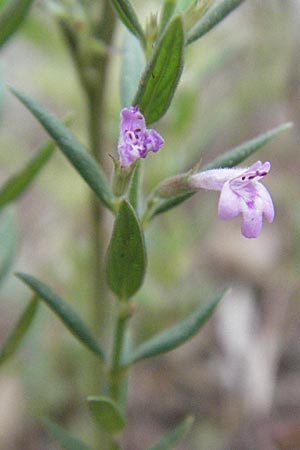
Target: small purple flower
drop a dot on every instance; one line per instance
(241, 192)
(135, 139)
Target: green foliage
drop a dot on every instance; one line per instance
(65, 440)
(8, 239)
(241, 152)
(133, 63)
(162, 73)
(175, 436)
(12, 15)
(177, 335)
(126, 256)
(106, 414)
(168, 9)
(16, 185)
(127, 15)
(212, 18)
(76, 153)
(65, 312)
(14, 340)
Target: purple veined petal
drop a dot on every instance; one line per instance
(128, 154)
(135, 139)
(268, 206)
(229, 203)
(252, 222)
(132, 119)
(252, 174)
(154, 139)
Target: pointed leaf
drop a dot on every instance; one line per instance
(64, 311)
(229, 159)
(76, 153)
(212, 18)
(22, 326)
(166, 13)
(16, 185)
(8, 241)
(133, 63)
(177, 335)
(171, 439)
(126, 256)
(162, 73)
(106, 413)
(238, 154)
(128, 16)
(11, 17)
(65, 440)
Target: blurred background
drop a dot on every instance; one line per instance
(240, 377)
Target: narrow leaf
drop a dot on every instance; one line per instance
(106, 413)
(65, 440)
(8, 242)
(177, 335)
(133, 63)
(22, 326)
(238, 154)
(161, 76)
(229, 159)
(212, 18)
(166, 13)
(16, 185)
(128, 16)
(126, 255)
(171, 439)
(76, 153)
(64, 311)
(12, 17)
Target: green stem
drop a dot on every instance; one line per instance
(118, 376)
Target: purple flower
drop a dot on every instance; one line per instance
(135, 139)
(241, 192)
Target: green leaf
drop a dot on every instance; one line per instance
(162, 73)
(65, 440)
(65, 312)
(106, 413)
(166, 13)
(14, 340)
(238, 154)
(128, 16)
(212, 18)
(176, 335)
(12, 17)
(171, 439)
(8, 242)
(126, 255)
(76, 153)
(16, 185)
(164, 205)
(133, 63)
(229, 159)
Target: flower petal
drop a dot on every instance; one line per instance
(131, 119)
(268, 206)
(154, 139)
(252, 222)
(229, 203)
